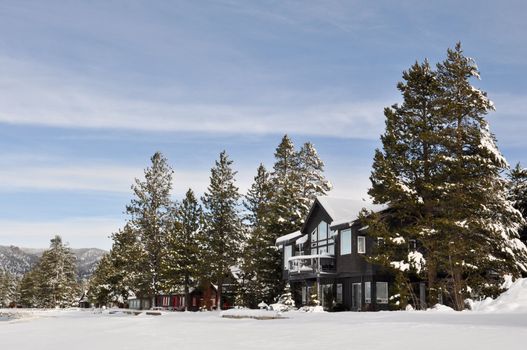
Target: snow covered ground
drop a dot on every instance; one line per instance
(79, 330)
(496, 324)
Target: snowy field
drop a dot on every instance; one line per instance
(496, 324)
(79, 330)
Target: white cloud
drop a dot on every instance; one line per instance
(78, 232)
(34, 95)
(75, 177)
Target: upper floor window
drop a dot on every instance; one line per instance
(361, 244)
(345, 242)
(322, 230)
(321, 242)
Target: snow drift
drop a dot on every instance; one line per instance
(512, 300)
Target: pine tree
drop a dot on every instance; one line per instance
(182, 258)
(482, 226)
(286, 213)
(56, 276)
(150, 217)
(406, 175)
(223, 226)
(261, 267)
(440, 172)
(102, 283)
(517, 193)
(29, 292)
(9, 284)
(128, 259)
(311, 176)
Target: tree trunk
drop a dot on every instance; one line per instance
(187, 294)
(432, 288)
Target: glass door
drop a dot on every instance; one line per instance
(356, 296)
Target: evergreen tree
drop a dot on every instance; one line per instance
(29, 292)
(9, 284)
(440, 172)
(102, 283)
(311, 176)
(223, 226)
(56, 283)
(481, 221)
(181, 263)
(517, 193)
(128, 258)
(150, 218)
(406, 175)
(286, 208)
(261, 267)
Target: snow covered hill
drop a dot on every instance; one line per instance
(20, 260)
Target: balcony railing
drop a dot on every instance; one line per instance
(312, 264)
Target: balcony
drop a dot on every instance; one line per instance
(311, 265)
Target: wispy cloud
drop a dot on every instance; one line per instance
(34, 96)
(79, 232)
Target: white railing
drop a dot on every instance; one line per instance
(316, 264)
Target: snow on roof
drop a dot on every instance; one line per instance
(301, 240)
(340, 208)
(289, 236)
(343, 210)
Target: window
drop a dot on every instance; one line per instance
(288, 252)
(361, 244)
(339, 293)
(345, 242)
(322, 230)
(314, 236)
(382, 292)
(367, 292)
(321, 242)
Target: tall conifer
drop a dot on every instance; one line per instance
(223, 235)
(150, 217)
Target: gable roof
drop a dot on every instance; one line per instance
(342, 210)
(339, 209)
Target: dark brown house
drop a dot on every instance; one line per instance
(327, 258)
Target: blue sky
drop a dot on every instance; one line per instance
(89, 90)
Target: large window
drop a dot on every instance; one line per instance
(382, 292)
(361, 244)
(288, 252)
(345, 242)
(321, 242)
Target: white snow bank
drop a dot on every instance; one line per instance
(440, 308)
(513, 300)
(250, 313)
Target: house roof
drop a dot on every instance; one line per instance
(341, 211)
(285, 238)
(341, 208)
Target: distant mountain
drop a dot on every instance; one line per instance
(20, 260)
